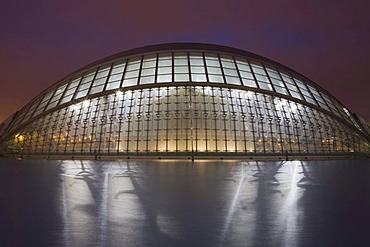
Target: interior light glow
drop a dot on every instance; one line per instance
(86, 103)
(119, 93)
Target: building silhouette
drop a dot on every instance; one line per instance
(185, 100)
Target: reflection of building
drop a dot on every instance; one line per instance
(185, 99)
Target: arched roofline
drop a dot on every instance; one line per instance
(184, 47)
(187, 47)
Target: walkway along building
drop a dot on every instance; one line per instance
(185, 100)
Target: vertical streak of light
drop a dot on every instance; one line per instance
(65, 211)
(290, 210)
(294, 176)
(231, 210)
(103, 212)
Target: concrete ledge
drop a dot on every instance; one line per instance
(191, 156)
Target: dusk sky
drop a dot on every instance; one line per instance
(43, 41)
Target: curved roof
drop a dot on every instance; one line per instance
(179, 64)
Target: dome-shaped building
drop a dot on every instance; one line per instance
(185, 100)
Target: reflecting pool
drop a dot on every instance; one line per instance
(180, 203)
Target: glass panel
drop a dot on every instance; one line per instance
(56, 96)
(281, 90)
(118, 68)
(227, 62)
(292, 87)
(216, 78)
(277, 82)
(149, 61)
(113, 85)
(131, 74)
(181, 69)
(116, 77)
(97, 89)
(133, 65)
(146, 72)
(84, 87)
(100, 81)
(306, 93)
(130, 82)
(233, 80)
(287, 78)
(81, 94)
(214, 70)
(273, 73)
(310, 100)
(164, 70)
(147, 79)
(300, 84)
(295, 95)
(243, 65)
(162, 62)
(164, 78)
(265, 86)
(196, 59)
(213, 63)
(180, 59)
(149, 64)
(181, 77)
(258, 69)
(103, 72)
(246, 75)
(88, 78)
(231, 72)
(262, 78)
(197, 69)
(74, 83)
(66, 98)
(198, 77)
(249, 83)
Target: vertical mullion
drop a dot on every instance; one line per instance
(78, 86)
(189, 65)
(284, 83)
(92, 82)
(173, 66)
(56, 88)
(237, 70)
(138, 120)
(65, 90)
(156, 68)
(252, 117)
(123, 74)
(243, 116)
(222, 69)
(37, 106)
(205, 113)
(120, 123)
(214, 117)
(205, 66)
(268, 77)
(233, 120)
(140, 70)
(254, 76)
(109, 73)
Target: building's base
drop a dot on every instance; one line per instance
(191, 156)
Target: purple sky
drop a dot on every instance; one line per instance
(42, 41)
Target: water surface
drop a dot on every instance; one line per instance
(179, 203)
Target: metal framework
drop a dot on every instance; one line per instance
(181, 99)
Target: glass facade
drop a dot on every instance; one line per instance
(182, 101)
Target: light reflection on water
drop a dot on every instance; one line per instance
(179, 203)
